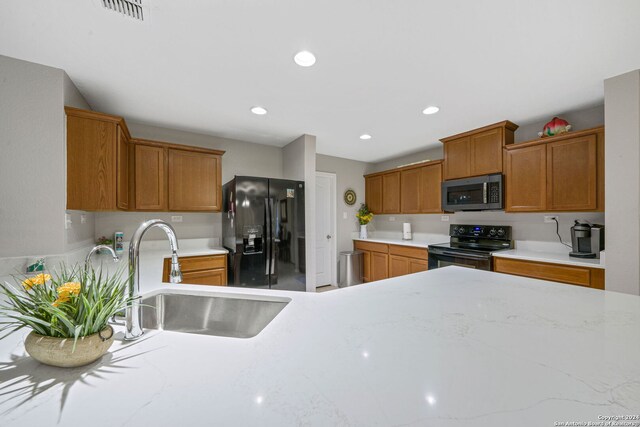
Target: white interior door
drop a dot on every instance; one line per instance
(325, 229)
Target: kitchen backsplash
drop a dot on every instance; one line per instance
(526, 226)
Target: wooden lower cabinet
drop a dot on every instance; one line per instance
(570, 274)
(418, 265)
(382, 261)
(398, 266)
(216, 277)
(200, 270)
(379, 266)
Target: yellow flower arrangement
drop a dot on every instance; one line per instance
(71, 302)
(65, 291)
(38, 279)
(364, 215)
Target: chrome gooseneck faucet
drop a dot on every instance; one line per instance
(134, 311)
(87, 260)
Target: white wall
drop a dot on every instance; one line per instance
(299, 163)
(622, 166)
(240, 158)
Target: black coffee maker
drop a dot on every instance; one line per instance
(587, 240)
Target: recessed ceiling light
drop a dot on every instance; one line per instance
(365, 136)
(258, 110)
(432, 109)
(305, 58)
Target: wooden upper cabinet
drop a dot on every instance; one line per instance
(194, 181)
(150, 176)
(391, 193)
(526, 182)
(107, 170)
(477, 152)
(560, 173)
(430, 200)
(571, 172)
(177, 177)
(96, 151)
(486, 152)
(410, 190)
(122, 170)
(407, 190)
(373, 193)
(457, 158)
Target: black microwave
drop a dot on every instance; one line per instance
(479, 193)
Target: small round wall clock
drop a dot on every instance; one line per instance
(350, 197)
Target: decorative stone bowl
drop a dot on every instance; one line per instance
(59, 351)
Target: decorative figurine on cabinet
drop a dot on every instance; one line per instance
(555, 127)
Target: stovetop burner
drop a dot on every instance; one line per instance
(479, 239)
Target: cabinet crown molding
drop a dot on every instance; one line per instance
(163, 144)
(404, 168)
(506, 124)
(550, 139)
(94, 115)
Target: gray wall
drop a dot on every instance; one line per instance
(622, 157)
(433, 153)
(240, 158)
(299, 163)
(581, 119)
(526, 226)
(32, 165)
(584, 118)
(349, 174)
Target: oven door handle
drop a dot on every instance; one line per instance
(458, 255)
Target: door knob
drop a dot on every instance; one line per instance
(328, 236)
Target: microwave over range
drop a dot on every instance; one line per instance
(479, 193)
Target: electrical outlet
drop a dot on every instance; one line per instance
(176, 218)
(83, 218)
(444, 218)
(392, 218)
(67, 221)
(550, 218)
(344, 215)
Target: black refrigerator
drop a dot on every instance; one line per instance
(263, 230)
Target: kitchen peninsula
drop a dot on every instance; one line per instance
(413, 350)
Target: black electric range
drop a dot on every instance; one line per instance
(470, 246)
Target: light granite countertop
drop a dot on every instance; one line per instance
(419, 240)
(550, 252)
(448, 347)
(152, 255)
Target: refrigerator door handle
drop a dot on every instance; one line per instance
(272, 240)
(267, 233)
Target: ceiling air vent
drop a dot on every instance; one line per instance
(130, 8)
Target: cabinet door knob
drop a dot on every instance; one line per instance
(328, 236)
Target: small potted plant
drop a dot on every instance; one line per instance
(364, 217)
(104, 240)
(68, 312)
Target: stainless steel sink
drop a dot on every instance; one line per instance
(225, 316)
